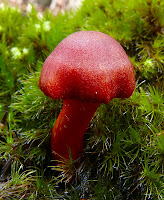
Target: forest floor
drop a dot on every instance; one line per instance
(41, 6)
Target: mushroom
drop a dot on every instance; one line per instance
(86, 69)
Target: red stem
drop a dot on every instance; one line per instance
(70, 127)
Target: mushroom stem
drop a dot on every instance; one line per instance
(69, 129)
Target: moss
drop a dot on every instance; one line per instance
(124, 144)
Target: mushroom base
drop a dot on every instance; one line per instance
(69, 129)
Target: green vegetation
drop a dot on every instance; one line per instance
(124, 144)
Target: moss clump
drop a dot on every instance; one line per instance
(124, 144)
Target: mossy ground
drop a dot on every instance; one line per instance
(124, 144)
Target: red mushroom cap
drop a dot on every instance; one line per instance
(88, 66)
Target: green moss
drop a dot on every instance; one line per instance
(124, 144)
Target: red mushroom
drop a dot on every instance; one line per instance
(85, 69)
